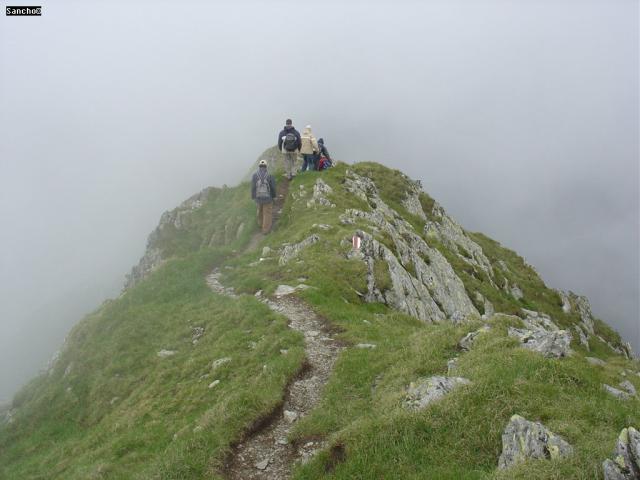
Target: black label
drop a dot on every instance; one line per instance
(34, 11)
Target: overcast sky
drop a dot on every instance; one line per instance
(520, 117)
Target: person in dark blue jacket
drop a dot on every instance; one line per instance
(263, 191)
(323, 159)
(289, 143)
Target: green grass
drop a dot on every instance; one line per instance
(166, 423)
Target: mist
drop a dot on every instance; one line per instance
(520, 118)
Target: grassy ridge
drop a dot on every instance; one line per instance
(120, 411)
(166, 423)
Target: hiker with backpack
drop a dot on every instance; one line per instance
(263, 191)
(324, 159)
(309, 150)
(289, 143)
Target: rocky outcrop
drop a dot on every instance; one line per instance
(542, 335)
(422, 282)
(625, 392)
(595, 361)
(523, 440)
(584, 340)
(427, 390)
(626, 457)
(468, 340)
(152, 258)
(412, 201)
(319, 196)
(451, 234)
(289, 252)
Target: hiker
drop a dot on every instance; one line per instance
(289, 143)
(324, 159)
(309, 149)
(263, 191)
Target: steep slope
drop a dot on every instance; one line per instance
(164, 381)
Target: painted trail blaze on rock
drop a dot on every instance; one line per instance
(626, 457)
(523, 440)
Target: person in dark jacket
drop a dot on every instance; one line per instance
(263, 191)
(324, 159)
(289, 143)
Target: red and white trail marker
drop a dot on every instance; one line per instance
(355, 242)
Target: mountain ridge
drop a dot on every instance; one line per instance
(422, 303)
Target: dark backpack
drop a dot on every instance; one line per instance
(290, 142)
(263, 189)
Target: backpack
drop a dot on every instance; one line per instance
(263, 189)
(290, 142)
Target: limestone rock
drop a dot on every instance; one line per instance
(166, 353)
(449, 232)
(283, 290)
(516, 292)
(290, 416)
(584, 340)
(629, 387)
(553, 344)
(542, 335)
(622, 395)
(523, 440)
(214, 383)
(424, 391)
(366, 346)
(412, 202)
(595, 361)
(219, 362)
(319, 196)
(289, 252)
(467, 341)
(626, 457)
(263, 464)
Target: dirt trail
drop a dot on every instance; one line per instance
(266, 453)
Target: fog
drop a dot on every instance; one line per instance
(521, 118)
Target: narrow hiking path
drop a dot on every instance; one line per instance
(266, 452)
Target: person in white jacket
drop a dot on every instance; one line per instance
(309, 149)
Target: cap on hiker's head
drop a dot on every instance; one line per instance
(262, 163)
(321, 140)
(289, 121)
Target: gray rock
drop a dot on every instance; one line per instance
(219, 362)
(67, 371)
(289, 252)
(196, 333)
(426, 390)
(467, 341)
(551, 344)
(290, 416)
(422, 282)
(262, 465)
(321, 226)
(626, 457)
(166, 353)
(452, 365)
(584, 308)
(566, 304)
(584, 340)
(516, 292)
(319, 196)
(412, 202)
(449, 232)
(523, 440)
(214, 383)
(616, 392)
(265, 251)
(629, 387)
(176, 219)
(366, 346)
(283, 290)
(595, 361)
